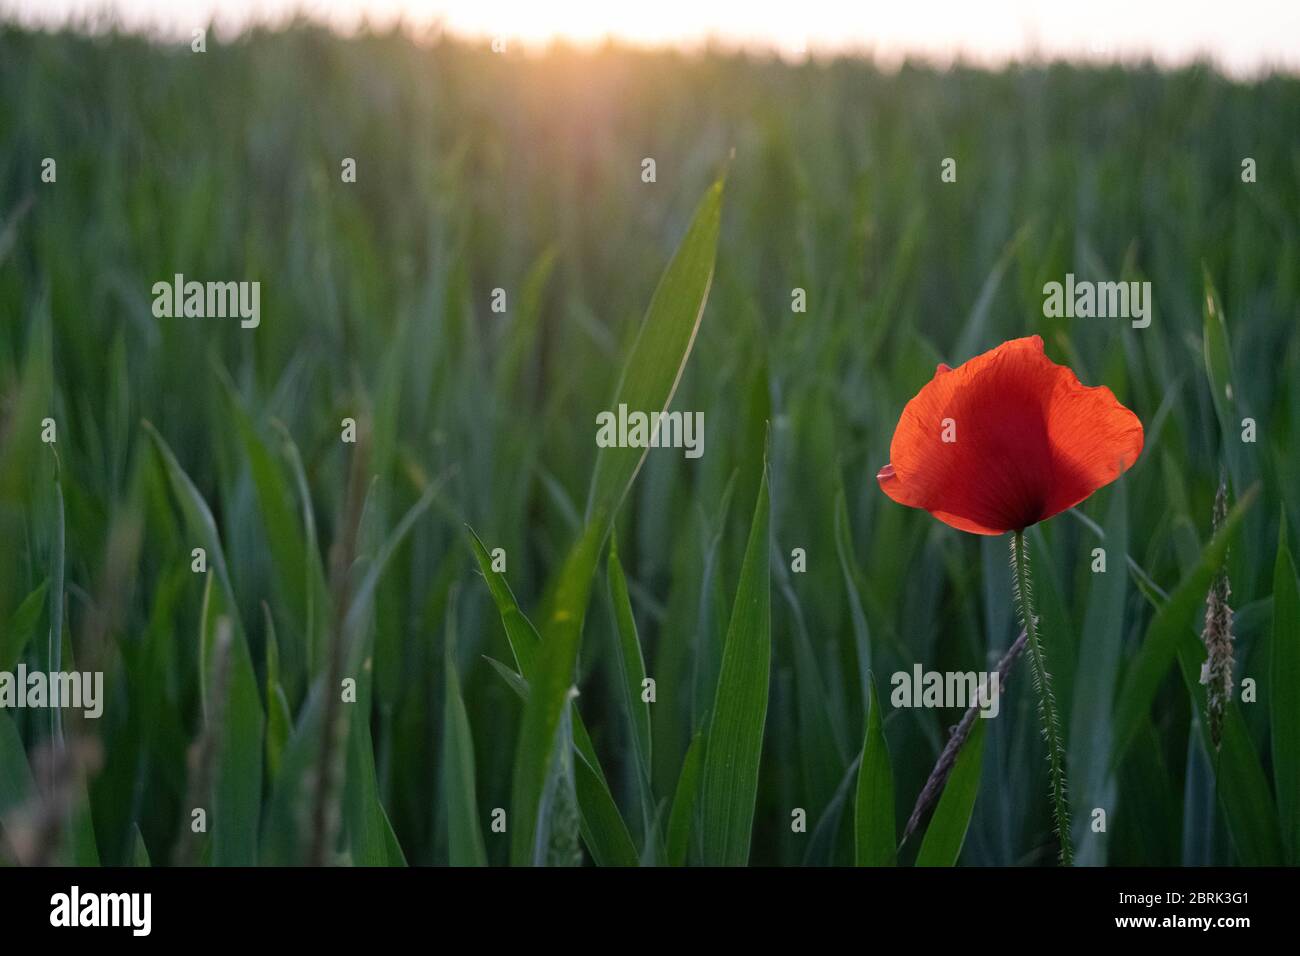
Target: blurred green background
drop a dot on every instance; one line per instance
(478, 171)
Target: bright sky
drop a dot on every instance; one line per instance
(1242, 36)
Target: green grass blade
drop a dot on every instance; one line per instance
(81, 847)
(237, 792)
(602, 826)
(22, 627)
(824, 844)
(649, 378)
(27, 402)
(682, 817)
(947, 830)
(139, 852)
(632, 666)
(1284, 694)
(663, 344)
(359, 611)
(1244, 795)
(1219, 372)
(366, 822)
(852, 575)
(316, 589)
(367, 828)
(56, 598)
(523, 333)
(513, 680)
(279, 721)
(730, 776)
(284, 537)
(521, 634)
(875, 836)
(284, 833)
(395, 855)
(1160, 647)
(16, 781)
(460, 790)
(1094, 686)
(555, 839)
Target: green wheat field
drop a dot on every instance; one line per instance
(431, 645)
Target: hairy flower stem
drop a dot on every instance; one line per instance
(1046, 701)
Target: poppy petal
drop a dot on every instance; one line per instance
(1095, 440)
(1007, 439)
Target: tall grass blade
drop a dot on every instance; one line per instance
(649, 379)
(875, 839)
(947, 830)
(731, 764)
(460, 787)
(1284, 694)
(237, 790)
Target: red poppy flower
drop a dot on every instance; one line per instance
(1008, 439)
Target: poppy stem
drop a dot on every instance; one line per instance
(1046, 701)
